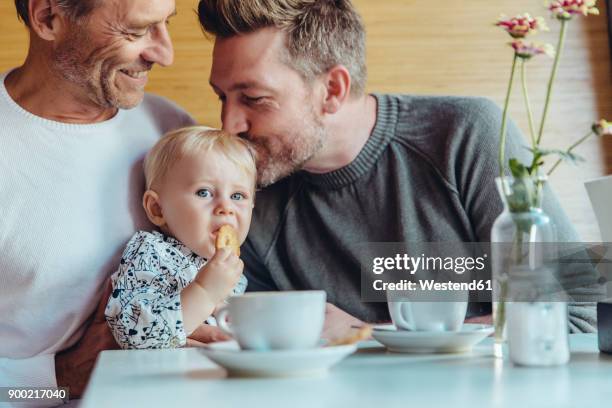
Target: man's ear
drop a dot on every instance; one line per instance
(150, 202)
(337, 82)
(46, 18)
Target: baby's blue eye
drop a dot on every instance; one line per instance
(204, 193)
(237, 196)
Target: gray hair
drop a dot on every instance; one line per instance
(74, 9)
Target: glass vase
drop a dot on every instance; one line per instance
(523, 254)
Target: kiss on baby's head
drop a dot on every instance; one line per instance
(199, 179)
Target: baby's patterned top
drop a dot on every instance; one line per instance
(144, 309)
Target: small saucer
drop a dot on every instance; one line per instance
(275, 363)
(404, 341)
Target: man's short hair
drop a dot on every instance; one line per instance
(197, 139)
(73, 8)
(320, 33)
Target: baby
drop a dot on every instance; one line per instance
(169, 281)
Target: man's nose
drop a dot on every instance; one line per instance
(233, 119)
(160, 49)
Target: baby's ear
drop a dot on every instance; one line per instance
(150, 202)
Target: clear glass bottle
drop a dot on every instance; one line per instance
(523, 246)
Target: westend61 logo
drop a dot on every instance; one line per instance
(404, 263)
(412, 264)
(432, 267)
(437, 268)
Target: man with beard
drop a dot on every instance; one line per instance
(340, 167)
(76, 124)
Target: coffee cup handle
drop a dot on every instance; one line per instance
(221, 315)
(399, 316)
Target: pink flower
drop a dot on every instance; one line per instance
(526, 51)
(602, 128)
(521, 25)
(566, 9)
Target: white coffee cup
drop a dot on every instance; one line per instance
(288, 320)
(428, 311)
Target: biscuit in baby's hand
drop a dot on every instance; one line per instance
(227, 238)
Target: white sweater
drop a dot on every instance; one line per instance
(70, 199)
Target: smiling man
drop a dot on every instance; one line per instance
(76, 124)
(340, 167)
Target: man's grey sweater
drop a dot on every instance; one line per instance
(426, 174)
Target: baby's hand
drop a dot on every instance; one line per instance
(221, 304)
(220, 274)
(208, 334)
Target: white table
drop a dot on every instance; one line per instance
(371, 377)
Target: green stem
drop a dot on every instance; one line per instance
(500, 312)
(569, 150)
(527, 104)
(518, 244)
(551, 80)
(502, 145)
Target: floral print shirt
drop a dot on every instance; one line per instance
(144, 308)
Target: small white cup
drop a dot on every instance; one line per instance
(427, 311)
(289, 320)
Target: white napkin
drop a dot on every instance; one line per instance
(600, 194)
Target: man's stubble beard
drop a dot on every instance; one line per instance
(306, 142)
(72, 64)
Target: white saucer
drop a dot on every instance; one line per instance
(275, 363)
(404, 341)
